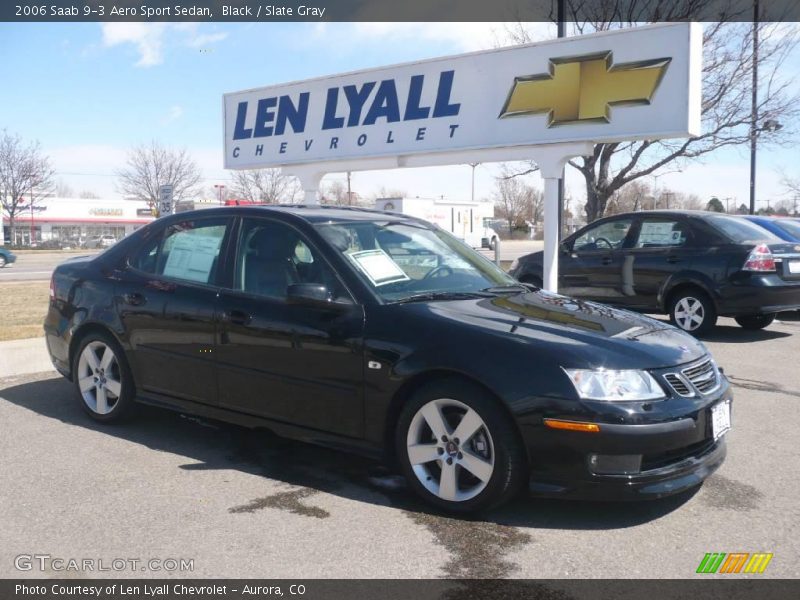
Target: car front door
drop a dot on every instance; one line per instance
(591, 265)
(166, 298)
(660, 246)
(297, 363)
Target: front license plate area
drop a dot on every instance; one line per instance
(794, 267)
(720, 419)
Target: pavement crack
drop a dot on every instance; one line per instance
(289, 501)
(761, 386)
(477, 548)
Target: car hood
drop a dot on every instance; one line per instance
(577, 333)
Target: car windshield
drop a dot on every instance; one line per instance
(740, 230)
(405, 260)
(790, 227)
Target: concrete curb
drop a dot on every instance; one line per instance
(22, 357)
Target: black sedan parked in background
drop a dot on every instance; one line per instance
(692, 265)
(385, 335)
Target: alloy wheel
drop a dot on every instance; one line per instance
(689, 313)
(450, 450)
(99, 378)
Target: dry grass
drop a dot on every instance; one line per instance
(23, 306)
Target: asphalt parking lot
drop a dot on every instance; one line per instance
(246, 504)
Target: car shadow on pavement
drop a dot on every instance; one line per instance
(733, 334)
(212, 445)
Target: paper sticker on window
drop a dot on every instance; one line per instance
(660, 234)
(378, 267)
(192, 256)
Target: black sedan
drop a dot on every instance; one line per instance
(692, 265)
(385, 335)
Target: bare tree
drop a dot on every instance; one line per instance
(515, 201)
(265, 185)
(26, 176)
(63, 189)
(726, 103)
(148, 167)
(336, 193)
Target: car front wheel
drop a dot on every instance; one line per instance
(693, 311)
(102, 378)
(458, 449)
(755, 322)
(2, 261)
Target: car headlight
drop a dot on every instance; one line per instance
(615, 385)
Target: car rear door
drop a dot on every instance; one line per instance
(660, 247)
(293, 363)
(166, 299)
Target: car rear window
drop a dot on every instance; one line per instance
(740, 231)
(790, 227)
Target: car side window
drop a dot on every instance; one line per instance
(609, 235)
(272, 256)
(662, 233)
(186, 251)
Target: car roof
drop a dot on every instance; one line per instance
(671, 212)
(321, 213)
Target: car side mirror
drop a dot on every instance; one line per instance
(314, 294)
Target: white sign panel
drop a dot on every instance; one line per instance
(629, 84)
(165, 200)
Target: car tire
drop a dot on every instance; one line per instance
(693, 311)
(482, 471)
(493, 243)
(2, 261)
(103, 381)
(755, 322)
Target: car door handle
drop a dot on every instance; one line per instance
(134, 299)
(673, 259)
(606, 260)
(237, 317)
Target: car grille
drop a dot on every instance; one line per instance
(678, 384)
(671, 457)
(702, 377)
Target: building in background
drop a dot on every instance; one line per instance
(75, 221)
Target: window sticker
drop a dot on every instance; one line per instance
(192, 256)
(660, 233)
(378, 267)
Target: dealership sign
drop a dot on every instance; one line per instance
(640, 83)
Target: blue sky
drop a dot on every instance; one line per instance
(89, 91)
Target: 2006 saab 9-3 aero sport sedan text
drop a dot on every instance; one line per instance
(386, 335)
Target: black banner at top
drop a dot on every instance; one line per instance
(578, 11)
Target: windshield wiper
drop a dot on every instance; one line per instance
(507, 289)
(443, 296)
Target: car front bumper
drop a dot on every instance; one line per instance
(627, 461)
(10, 258)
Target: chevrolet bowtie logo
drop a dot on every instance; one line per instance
(581, 89)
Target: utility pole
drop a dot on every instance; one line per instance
(562, 32)
(349, 197)
(754, 111)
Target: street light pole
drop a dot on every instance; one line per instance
(562, 32)
(472, 195)
(754, 112)
(219, 187)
